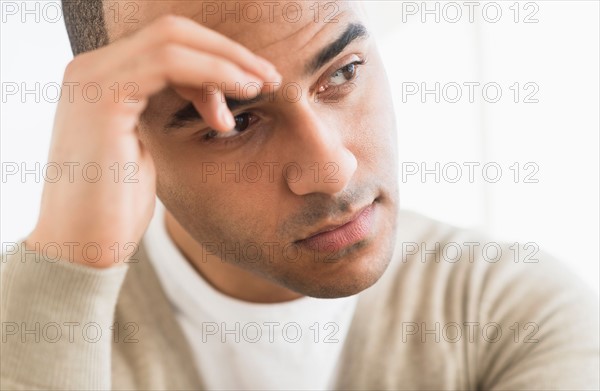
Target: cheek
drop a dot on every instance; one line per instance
(216, 198)
(218, 201)
(373, 135)
(217, 213)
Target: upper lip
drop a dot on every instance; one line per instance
(332, 226)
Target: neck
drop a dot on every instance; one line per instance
(229, 279)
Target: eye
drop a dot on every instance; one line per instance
(342, 75)
(242, 123)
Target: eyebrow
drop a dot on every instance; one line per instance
(189, 113)
(353, 31)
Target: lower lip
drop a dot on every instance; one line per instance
(339, 238)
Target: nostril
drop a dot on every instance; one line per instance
(325, 176)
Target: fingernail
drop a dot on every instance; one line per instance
(227, 118)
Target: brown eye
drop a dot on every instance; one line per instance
(348, 71)
(242, 122)
(343, 75)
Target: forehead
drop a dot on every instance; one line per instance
(271, 29)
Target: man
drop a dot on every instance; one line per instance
(280, 259)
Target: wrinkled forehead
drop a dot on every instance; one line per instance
(272, 29)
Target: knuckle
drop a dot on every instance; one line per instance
(71, 70)
(167, 55)
(168, 25)
(76, 66)
(221, 66)
(243, 52)
(223, 70)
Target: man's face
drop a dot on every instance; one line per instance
(309, 155)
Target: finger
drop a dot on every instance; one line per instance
(185, 31)
(180, 66)
(175, 30)
(212, 108)
(215, 113)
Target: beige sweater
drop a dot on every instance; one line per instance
(428, 323)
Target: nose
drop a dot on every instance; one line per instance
(318, 160)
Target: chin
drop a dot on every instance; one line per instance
(349, 272)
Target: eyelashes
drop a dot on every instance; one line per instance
(330, 89)
(331, 92)
(348, 73)
(242, 122)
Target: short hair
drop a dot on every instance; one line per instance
(84, 20)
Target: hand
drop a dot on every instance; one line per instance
(85, 220)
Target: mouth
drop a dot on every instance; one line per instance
(336, 236)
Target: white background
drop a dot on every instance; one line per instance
(558, 135)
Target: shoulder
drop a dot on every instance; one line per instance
(447, 259)
(509, 314)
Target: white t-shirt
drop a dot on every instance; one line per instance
(243, 345)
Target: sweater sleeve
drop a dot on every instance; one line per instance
(57, 319)
(550, 321)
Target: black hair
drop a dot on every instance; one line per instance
(84, 20)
